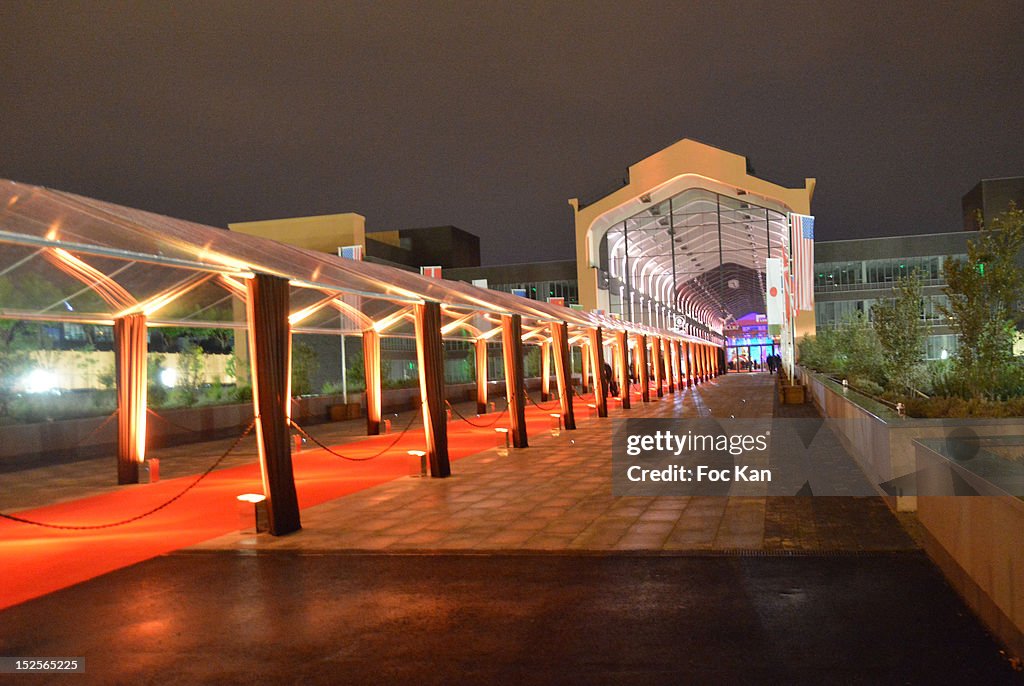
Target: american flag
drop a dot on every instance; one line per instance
(802, 265)
(351, 252)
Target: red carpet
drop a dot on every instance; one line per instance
(35, 561)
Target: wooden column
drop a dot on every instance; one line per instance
(641, 368)
(371, 372)
(545, 371)
(130, 373)
(622, 347)
(656, 363)
(430, 356)
(480, 348)
(563, 372)
(670, 364)
(512, 349)
(270, 357)
(600, 385)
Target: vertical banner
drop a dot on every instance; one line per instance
(802, 242)
(774, 298)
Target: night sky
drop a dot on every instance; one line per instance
(489, 116)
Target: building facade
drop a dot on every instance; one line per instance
(683, 243)
(850, 276)
(535, 280)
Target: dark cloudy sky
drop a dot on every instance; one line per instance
(490, 115)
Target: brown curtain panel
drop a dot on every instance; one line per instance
(270, 357)
(512, 350)
(371, 370)
(430, 353)
(130, 371)
(563, 372)
(480, 347)
(596, 336)
(622, 349)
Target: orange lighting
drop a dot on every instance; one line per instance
(161, 300)
(306, 312)
(391, 320)
(112, 292)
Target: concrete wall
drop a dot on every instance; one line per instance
(24, 446)
(978, 544)
(325, 233)
(975, 540)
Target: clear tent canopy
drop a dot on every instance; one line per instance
(71, 258)
(67, 258)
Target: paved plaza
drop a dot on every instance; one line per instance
(557, 495)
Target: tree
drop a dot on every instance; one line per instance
(304, 365)
(859, 345)
(850, 350)
(984, 292)
(901, 333)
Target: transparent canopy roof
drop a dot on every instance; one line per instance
(72, 258)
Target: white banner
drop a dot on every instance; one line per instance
(774, 298)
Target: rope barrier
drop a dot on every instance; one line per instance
(538, 405)
(479, 426)
(73, 527)
(305, 434)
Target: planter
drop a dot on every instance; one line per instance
(342, 411)
(793, 395)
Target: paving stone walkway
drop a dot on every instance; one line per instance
(556, 495)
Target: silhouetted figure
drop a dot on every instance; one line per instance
(609, 381)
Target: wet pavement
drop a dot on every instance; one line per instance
(336, 618)
(523, 568)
